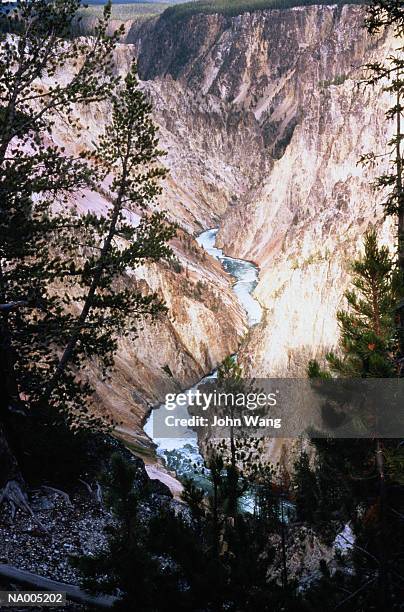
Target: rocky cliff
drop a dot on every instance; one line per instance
(264, 123)
(204, 322)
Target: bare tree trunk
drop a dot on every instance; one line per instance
(283, 539)
(400, 222)
(384, 590)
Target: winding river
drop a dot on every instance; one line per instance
(181, 454)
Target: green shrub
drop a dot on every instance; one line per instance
(338, 80)
(176, 265)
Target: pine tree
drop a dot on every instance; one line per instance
(354, 470)
(128, 153)
(382, 14)
(33, 175)
(229, 376)
(158, 557)
(368, 339)
(63, 300)
(372, 342)
(126, 562)
(305, 489)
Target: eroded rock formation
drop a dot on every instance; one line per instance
(263, 123)
(269, 104)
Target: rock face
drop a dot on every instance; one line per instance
(204, 322)
(264, 123)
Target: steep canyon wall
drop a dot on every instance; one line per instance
(264, 114)
(263, 123)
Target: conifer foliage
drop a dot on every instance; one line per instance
(352, 480)
(67, 290)
(368, 335)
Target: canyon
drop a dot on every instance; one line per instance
(263, 120)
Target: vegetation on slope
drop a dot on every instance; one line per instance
(124, 11)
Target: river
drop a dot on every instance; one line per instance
(181, 454)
